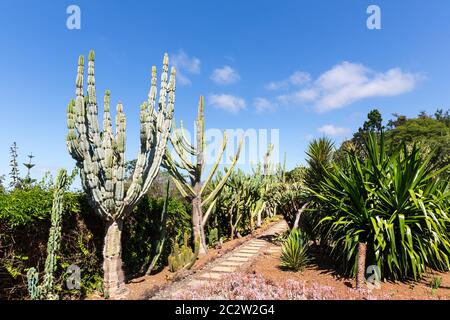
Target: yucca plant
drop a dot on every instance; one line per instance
(294, 253)
(396, 207)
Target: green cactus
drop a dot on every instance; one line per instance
(46, 289)
(193, 187)
(100, 155)
(183, 258)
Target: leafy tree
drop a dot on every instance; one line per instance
(374, 123)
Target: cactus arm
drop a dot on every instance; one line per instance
(216, 164)
(200, 126)
(119, 169)
(150, 161)
(73, 143)
(183, 140)
(182, 154)
(194, 257)
(222, 182)
(208, 212)
(185, 188)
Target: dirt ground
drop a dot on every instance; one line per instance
(321, 272)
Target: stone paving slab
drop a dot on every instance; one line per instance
(238, 259)
(224, 269)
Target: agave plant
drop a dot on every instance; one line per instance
(396, 207)
(294, 253)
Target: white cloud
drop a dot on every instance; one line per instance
(332, 130)
(296, 79)
(225, 75)
(227, 102)
(347, 83)
(264, 104)
(185, 65)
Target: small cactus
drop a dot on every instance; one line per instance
(183, 257)
(46, 289)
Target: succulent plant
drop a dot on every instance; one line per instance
(100, 155)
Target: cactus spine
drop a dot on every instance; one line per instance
(45, 291)
(193, 188)
(100, 155)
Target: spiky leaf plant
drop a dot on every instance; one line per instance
(397, 205)
(294, 253)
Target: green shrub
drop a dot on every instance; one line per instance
(294, 252)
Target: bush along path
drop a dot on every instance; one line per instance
(237, 260)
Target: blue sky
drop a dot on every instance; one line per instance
(308, 68)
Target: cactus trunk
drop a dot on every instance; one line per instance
(113, 276)
(198, 230)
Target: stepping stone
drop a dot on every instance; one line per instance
(243, 254)
(231, 263)
(223, 269)
(254, 243)
(238, 259)
(211, 275)
(249, 251)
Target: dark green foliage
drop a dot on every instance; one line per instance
(294, 252)
(142, 232)
(396, 204)
(213, 237)
(24, 230)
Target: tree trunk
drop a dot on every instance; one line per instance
(197, 221)
(298, 214)
(360, 277)
(259, 219)
(113, 276)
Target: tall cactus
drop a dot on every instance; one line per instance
(192, 187)
(100, 155)
(45, 290)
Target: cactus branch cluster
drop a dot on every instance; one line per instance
(192, 187)
(100, 155)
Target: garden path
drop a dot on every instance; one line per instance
(236, 260)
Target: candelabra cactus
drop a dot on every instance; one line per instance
(100, 155)
(192, 187)
(45, 291)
